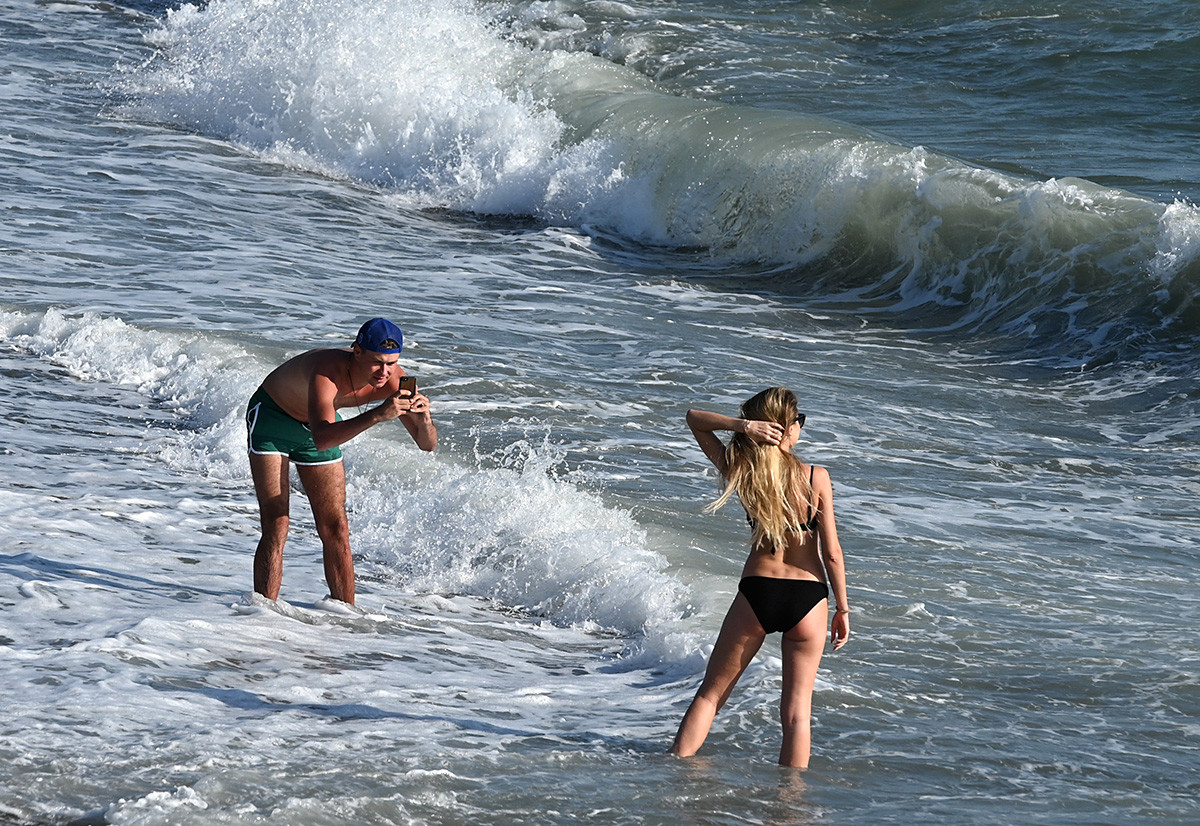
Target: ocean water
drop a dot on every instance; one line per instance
(966, 234)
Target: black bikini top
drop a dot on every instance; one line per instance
(809, 526)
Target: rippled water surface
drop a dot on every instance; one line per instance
(964, 234)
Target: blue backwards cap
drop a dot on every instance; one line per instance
(380, 336)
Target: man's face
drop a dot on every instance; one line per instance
(381, 366)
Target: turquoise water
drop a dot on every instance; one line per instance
(965, 234)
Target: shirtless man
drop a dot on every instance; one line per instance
(293, 417)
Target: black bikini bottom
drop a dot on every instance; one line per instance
(781, 603)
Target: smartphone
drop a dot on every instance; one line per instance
(408, 383)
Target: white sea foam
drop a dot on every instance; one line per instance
(125, 594)
(519, 535)
(1179, 245)
(432, 103)
(416, 97)
(1025, 509)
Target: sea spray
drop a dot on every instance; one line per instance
(437, 106)
(201, 380)
(516, 534)
(414, 97)
(512, 532)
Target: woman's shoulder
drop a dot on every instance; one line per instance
(820, 476)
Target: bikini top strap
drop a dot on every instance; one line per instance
(812, 512)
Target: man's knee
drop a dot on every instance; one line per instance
(334, 529)
(273, 505)
(274, 517)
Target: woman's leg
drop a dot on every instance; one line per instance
(740, 638)
(802, 649)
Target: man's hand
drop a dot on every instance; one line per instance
(401, 403)
(418, 404)
(398, 404)
(419, 423)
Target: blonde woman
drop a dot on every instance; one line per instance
(794, 559)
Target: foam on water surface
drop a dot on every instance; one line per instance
(1021, 532)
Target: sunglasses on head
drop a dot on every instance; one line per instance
(800, 419)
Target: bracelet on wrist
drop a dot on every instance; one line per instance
(842, 611)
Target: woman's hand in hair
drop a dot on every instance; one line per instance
(764, 433)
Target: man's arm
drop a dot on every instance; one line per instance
(419, 423)
(322, 415)
(413, 412)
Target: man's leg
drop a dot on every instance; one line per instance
(270, 474)
(326, 489)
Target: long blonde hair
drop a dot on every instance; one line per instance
(777, 496)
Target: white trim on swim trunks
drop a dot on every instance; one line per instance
(290, 459)
(252, 415)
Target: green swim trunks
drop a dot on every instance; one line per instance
(273, 431)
